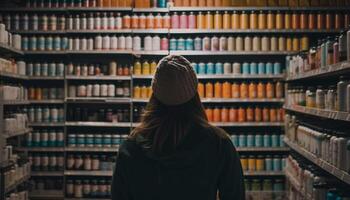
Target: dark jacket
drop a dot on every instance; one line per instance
(203, 165)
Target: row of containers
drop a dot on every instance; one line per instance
(185, 20)
(148, 43)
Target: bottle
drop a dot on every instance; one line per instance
(343, 40)
(342, 93)
(348, 44)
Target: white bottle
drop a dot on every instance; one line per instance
(118, 21)
(128, 42)
(106, 43)
(104, 22)
(348, 44)
(90, 22)
(114, 42)
(121, 42)
(136, 43)
(156, 43)
(90, 44)
(98, 42)
(111, 22)
(76, 23)
(342, 95)
(83, 22)
(147, 43)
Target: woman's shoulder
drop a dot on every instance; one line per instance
(221, 136)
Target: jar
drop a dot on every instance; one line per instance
(72, 140)
(78, 162)
(95, 163)
(251, 163)
(310, 97)
(320, 98)
(78, 189)
(70, 188)
(87, 162)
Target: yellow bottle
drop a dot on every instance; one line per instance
(144, 92)
(146, 68)
(209, 21)
(137, 68)
(226, 21)
(149, 92)
(217, 20)
(200, 21)
(137, 92)
(153, 67)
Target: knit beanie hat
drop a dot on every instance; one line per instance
(175, 81)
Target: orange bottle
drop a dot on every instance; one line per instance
(266, 114)
(210, 3)
(134, 22)
(281, 114)
(241, 115)
(262, 20)
(289, 44)
(329, 21)
(38, 94)
(227, 3)
(287, 20)
(209, 90)
(200, 21)
(271, 20)
(258, 114)
(200, 89)
(158, 21)
(226, 90)
(235, 90)
(233, 114)
(295, 20)
(217, 90)
(186, 3)
(339, 21)
(166, 21)
(312, 21)
(201, 3)
(209, 21)
(250, 114)
(217, 3)
(209, 113)
(320, 21)
(217, 20)
(137, 92)
(99, 3)
(252, 90)
(296, 44)
(142, 21)
(216, 115)
(244, 20)
(253, 20)
(261, 91)
(149, 92)
(178, 3)
(270, 90)
(126, 22)
(106, 3)
(235, 20)
(226, 21)
(144, 92)
(244, 91)
(224, 115)
(31, 93)
(150, 21)
(273, 115)
(279, 20)
(194, 3)
(304, 21)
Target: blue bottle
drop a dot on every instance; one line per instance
(172, 44)
(201, 68)
(253, 68)
(181, 44)
(195, 67)
(269, 68)
(245, 69)
(242, 140)
(277, 68)
(210, 68)
(189, 44)
(219, 68)
(261, 68)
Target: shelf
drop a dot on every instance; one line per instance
(265, 8)
(99, 31)
(249, 31)
(16, 184)
(46, 194)
(239, 124)
(14, 102)
(331, 70)
(45, 52)
(156, 53)
(248, 124)
(99, 52)
(152, 10)
(97, 78)
(327, 114)
(13, 76)
(7, 50)
(44, 124)
(263, 149)
(39, 32)
(233, 53)
(40, 149)
(46, 78)
(87, 173)
(228, 100)
(17, 133)
(92, 149)
(98, 100)
(47, 173)
(56, 101)
(150, 31)
(223, 76)
(97, 198)
(294, 182)
(100, 9)
(264, 173)
(99, 124)
(340, 174)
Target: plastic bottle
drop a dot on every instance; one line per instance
(342, 93)
(348, 44)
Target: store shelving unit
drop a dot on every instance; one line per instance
(340, 174)
(68, 54)
(7, 51)
(327, 114)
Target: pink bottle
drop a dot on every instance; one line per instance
(183, 21)
(191, 21)
(164, 44)
(175, 20)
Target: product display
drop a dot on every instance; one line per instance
(76, 78)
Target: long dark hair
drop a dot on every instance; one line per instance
(165, 126)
